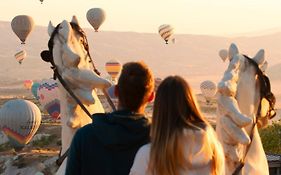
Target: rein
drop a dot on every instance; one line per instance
(265, 92)
(47, 55)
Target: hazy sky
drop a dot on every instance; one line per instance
(215, 17)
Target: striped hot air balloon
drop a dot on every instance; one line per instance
(223, 53)
(48, 94)
(208, 89)
(20, 56)
(166, 31)
(28, 84)
(113, 68)
(19, 120)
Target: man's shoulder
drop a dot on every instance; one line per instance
(97, 118)
(99, 115)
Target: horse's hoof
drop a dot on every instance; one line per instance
(72, 123)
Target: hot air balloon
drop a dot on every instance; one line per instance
(19, 120)
(223, 53)
(41, 1)
(27, 84)
(264, 66)
(22, 25)
(111, 92)
(20, 56)
(96, 17)
(157, 82)
(48, 93)
(166, 32)
(113, 68)
(34, 89)
(208, 89)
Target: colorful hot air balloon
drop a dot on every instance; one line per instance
(223, 53)
(34, 89)
(19, 120)
(96, 17)
(113, 68)
(27, 84)
(22, 25)
(48, 93)
(166, 32)
(20, 56)
(208, 89)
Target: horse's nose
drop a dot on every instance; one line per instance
(65, 30)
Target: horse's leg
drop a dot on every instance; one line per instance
(255, 161)
(66, 132)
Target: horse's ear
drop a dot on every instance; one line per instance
(51, 28)
(75, 20)
(232, 51)
(259, 58)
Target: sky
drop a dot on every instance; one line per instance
(208, 17)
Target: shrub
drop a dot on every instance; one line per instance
(271, 138)
(44, 141)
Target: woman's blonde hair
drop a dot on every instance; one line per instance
(175, 110)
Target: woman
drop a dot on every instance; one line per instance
(182, 141)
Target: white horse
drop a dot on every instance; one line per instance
(239, 97)
(68, 52)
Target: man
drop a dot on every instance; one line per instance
(108, 145)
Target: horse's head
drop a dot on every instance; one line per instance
(246, 81)
(68, 46)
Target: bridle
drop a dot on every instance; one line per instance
(265, 93)
(47, 56)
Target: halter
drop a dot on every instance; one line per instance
(265, 92)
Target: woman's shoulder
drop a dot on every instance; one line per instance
(144, 150)
(141, 161)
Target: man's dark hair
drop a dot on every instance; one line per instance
(135, 85)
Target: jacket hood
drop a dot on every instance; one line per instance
(121, 129)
